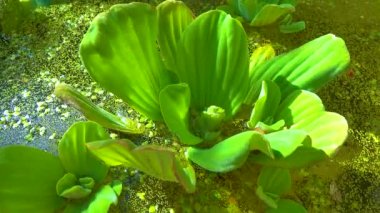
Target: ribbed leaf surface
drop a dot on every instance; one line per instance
(214, 61)
(173, 18)
(308, 67)
(120, 52)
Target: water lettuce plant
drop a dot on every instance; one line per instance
(195, 75)
(260, 13)
(74, 181)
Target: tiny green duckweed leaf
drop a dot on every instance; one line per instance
(286, 206)
(94, 113)
(157, 161)
(213, 61)
(230, 153)
(74, 154)
(120, 52)
(175, 106)
(173, 18)
(29, 179)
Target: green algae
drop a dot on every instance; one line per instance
(44, 51)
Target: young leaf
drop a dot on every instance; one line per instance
(173, 18)
(308, 67)
(92, 112)
(100, 201)
(157, 161)
(231, 153)
(28, 179)
(120, 52)
(260, 55)
(213, 61)
(175, 106)
(74, 154)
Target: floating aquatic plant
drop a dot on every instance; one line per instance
(75, 181)
(195, 74)
(260, 13)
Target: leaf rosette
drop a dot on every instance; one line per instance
(195, 74)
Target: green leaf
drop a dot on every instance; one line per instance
(70, 187)
(120, 52)
(266, 105)
(260, 55)
(292, 27)
(308, 67)
(271, 13)
(286, 141)
(100, 201)
(175, 106)
(300, 107)
(28, 178)
(270, 200)
(230, 153)
(286, 206)
(157, 161)
(327, 132)
(301, 157)
(74, 154)
(275, 181)
(304, 110)
(92, 112)
(173, 18)
(213, 61)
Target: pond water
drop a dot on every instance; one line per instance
(39, 47)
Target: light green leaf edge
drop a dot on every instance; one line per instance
(94, 113)
(173, 18)
(308, 67)
(271, 13)
(120, 52)
(28, 178)
(175, 106)
(230, 153)
(157, 161)
(73, 152)
(213, 61)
